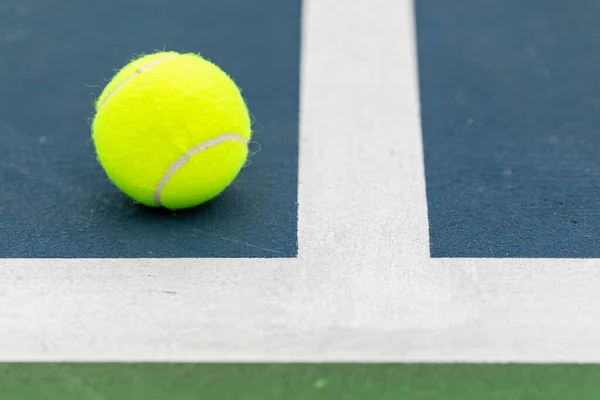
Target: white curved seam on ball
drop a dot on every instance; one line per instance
(181, 161)
(136, 73)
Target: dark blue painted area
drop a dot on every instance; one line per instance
(55, 56)
(510, 94)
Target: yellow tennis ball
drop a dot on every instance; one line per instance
(171, 130)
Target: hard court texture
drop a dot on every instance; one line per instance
(420, 221)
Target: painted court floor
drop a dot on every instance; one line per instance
(419, 217)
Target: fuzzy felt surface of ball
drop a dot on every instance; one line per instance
(171, 130)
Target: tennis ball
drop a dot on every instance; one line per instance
(171, 130)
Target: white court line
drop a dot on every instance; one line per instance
(363, 287)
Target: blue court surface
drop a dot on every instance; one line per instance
(511, 127)
(423, 186)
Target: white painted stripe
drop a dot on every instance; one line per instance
(181, 161)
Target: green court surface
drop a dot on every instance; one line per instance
(298, 381)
